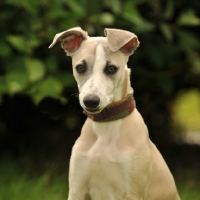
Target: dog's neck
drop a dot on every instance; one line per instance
(114, 111)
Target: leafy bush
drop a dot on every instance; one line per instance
(167, 61)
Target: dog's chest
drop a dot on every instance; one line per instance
(104, 166)
(106, 170)
(105, 150)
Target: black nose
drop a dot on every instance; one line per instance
(91, 101)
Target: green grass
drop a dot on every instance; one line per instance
(18, 184)
(188, 192)
(188, 182)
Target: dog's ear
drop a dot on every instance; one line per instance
(70, 39)
(124, 41)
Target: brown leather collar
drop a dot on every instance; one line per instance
(114, 111)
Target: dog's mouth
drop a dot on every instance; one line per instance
(92, 110)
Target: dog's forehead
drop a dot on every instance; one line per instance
(90, 48)
(91, 44)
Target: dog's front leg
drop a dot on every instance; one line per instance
(76, 196)
(76, 189)
(77, 178)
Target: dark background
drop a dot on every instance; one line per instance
(40, 117)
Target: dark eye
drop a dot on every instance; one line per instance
(80, 68)
(111, 69)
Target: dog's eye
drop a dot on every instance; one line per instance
(111, 69)
(80, 68)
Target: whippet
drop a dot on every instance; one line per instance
(113, 159)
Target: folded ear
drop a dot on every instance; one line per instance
(124, 41)
(70, 39)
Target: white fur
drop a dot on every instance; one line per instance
(95, 83)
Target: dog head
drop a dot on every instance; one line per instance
(99, 65)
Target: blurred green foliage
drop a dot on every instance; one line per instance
(187, 110)
(167, 62)
(167, 31)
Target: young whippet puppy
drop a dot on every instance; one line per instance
(113, 159)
